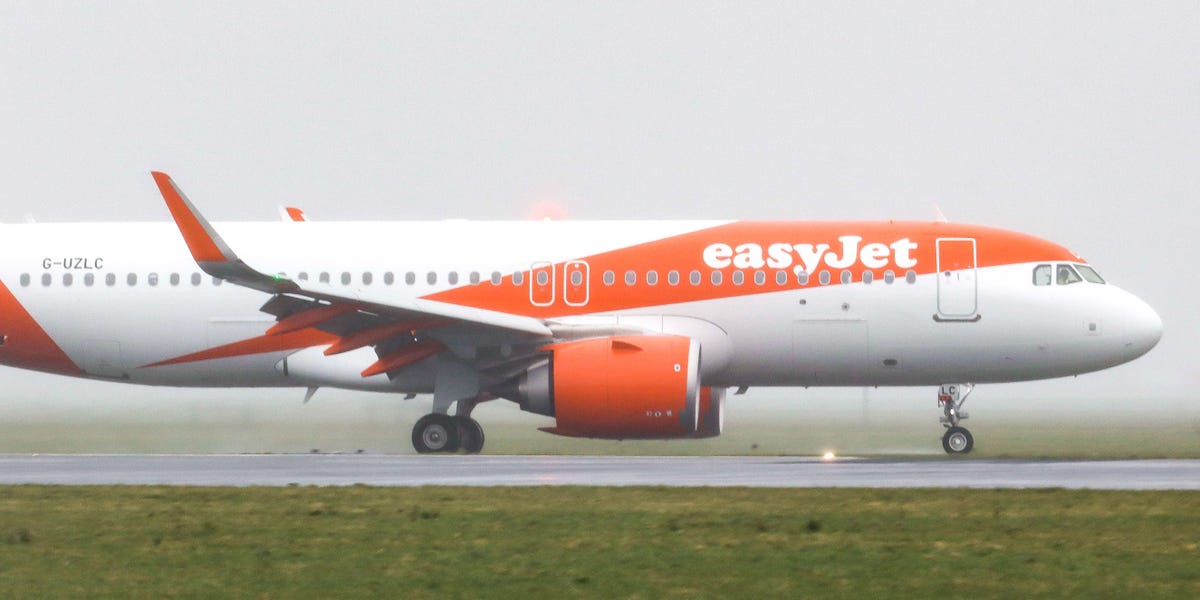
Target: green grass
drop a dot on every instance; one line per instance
(442, 542)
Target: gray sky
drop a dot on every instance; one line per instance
(1079, 122)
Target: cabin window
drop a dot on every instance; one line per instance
(217, 281)
(518, 277)
(889, 277)
(324, 277)
(760, 278)
(780, 277)
(174, 279)
(452, 278)
(630, 277)
(410, 278)
(68, 279)
(131, 279)
(367, 278)
(1041, 275)
(1067, 275)
(802, 277)
(910, 276)
(543, 278)
(496, 278)
(576, 278)
(1089, 274)
(111, 279)
(868, 277)
(824, 277)
(651, 278)
(716, 278)
(152, 279)
(672, 277)
(24, 279)
(389, 278)
(847, 277)
(303, 276)
(474, 278)
(46, 279)
(89, 279)
(345, 278)
(694, 277)
(610, 278)
(738, 278)
(431, 278)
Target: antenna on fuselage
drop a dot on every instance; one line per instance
(939, 218)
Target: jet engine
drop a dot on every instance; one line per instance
(623, 387)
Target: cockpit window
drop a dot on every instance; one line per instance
(1089, 274)
(1067, 275)
(1042, 275)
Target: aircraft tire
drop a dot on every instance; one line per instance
(436, 433)
(470, 434)
(957, 440)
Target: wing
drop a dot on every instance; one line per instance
(402, 331)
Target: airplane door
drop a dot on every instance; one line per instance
(957, 292)
(575, 283)
(541, 284)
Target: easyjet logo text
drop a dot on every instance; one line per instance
(851, 251)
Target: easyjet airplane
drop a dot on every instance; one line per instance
(615, 329)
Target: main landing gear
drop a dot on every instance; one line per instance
(951, 397)
(442, 433)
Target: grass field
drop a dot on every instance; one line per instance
(595, 542)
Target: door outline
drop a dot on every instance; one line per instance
(537, 291)
(569, 268)
(944, 289)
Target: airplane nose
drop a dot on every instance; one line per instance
(1144, 329)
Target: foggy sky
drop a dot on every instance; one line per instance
(1078, 122)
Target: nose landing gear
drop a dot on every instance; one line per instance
(951, 397)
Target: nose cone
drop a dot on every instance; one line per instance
(1143, 328)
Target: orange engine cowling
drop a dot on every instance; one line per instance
(624, 387)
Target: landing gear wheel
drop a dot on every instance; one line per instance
(957, 441)
(436, 433)
(470, 433)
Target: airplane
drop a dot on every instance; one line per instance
(616, 330)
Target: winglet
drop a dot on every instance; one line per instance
(211, 253)
(291, 214)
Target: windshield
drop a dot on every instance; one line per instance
(1089, 274)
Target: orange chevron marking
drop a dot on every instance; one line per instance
(304, 338)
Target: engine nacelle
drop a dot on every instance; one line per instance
(624, 387)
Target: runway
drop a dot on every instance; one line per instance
(721, 471)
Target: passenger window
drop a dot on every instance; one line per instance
(174, 279)
(89, 279)
(889, 277)
(324, 277)
(303, 276)
(543, 278)
(474, 278)
(738, 278)
(389, 278)
(847, 277)
(367, 278)
(694, 277)
(630, 277)
(868, 277)
(672, 277)
(496, 278)
(823, 277)
(131, 279)
(910, 276)
(410, 278)
(68, 279)
(345, 278)
(24, 279)
(610, 278)
(716, 278)
(1067, 275)
(217, 282)
(46, 279)
(1041, 275)
(431, 278)
(453, 278)
(760, 277)
(780, 277)
(195, 279)
(576, 278)
(651, 278)
(1089, 274)
(152, 279)
(802, 277)
(518, 277)
(111, 279)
